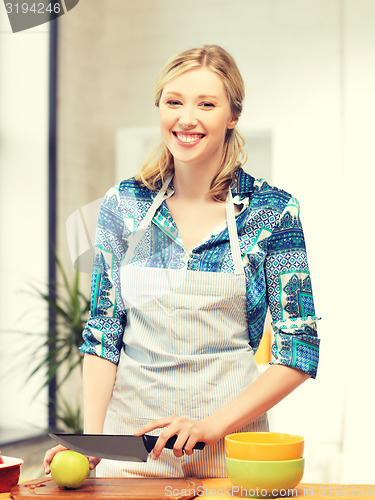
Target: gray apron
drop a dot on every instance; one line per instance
(185, 351)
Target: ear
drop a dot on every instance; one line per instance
(233, 122)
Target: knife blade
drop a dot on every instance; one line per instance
(114, 446)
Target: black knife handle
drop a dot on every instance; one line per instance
(150, 441)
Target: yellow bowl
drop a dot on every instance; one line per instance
(265, 479)
(264, 446)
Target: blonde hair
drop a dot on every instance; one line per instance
(159, 163)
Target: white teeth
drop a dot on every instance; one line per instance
(189, 138)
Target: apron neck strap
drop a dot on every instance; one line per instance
(155, 204)
(233, 235)
(146, 221)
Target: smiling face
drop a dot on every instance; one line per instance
(195, 115)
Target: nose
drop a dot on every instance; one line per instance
(187, 118)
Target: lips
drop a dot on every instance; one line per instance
(188, 139)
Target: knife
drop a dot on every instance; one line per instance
(113, 446)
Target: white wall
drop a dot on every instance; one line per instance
(23, 223)
(356, 237)
(309, 72)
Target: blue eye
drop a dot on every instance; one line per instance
(173, 103)
(207, 105)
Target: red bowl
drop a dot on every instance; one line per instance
(9, 473)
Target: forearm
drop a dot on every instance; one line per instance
(265, 392)
(98, 380)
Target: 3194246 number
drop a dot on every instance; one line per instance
(34, 8)
(346, 490)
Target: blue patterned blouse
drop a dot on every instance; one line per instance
(272, 247)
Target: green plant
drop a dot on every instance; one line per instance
(53, 351)
(68, 416)
(70, 308)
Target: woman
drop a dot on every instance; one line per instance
(189, 255)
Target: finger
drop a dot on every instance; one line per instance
(155, 424)
(189, 445)
(49, 456)
(162, 440)
(93, 462)
(51, 453)
(178, 447)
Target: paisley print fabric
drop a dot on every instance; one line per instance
(273, 253)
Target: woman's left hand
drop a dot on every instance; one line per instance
(189, 432)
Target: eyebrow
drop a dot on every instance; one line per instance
(202, 96)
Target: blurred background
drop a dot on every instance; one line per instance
(77, 116)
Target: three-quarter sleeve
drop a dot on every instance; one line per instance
(289, 294)
(104, 329)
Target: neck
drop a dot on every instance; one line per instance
(192, 182)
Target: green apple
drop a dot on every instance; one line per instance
(69, 469)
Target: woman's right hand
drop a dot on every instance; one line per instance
(93, 461)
